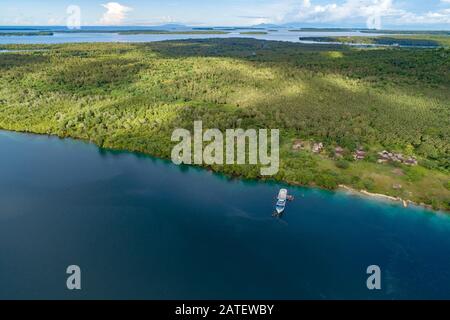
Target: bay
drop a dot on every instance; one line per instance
(143, 228)
(96, 35)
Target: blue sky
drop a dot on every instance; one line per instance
(399, 14)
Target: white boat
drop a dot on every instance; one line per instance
(281, 201)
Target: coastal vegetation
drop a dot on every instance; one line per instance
(132, 97)
(255, 32)
(324, 30)
(376, 31)
(23, 34)
(413, 40)
(409, 32)
(121, 32)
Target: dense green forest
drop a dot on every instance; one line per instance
(132, 96)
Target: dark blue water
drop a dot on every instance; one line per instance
(143, 228)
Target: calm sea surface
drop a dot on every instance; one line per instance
(64, 37)
(142, 228)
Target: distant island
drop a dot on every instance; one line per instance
(200, 31)
(412, 40)
(136, 32)
(24, 34)
(411, 32)
(254, 32)
(324, 30)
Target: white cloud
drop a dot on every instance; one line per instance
(349, 10)
(115, 13)
(429, 18)
(373, 12)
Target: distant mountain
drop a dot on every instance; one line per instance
(171, 26)
(300, 25)
(267, 26)
(350, 26)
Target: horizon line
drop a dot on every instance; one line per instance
(286, 25)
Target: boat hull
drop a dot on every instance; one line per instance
(281, 203)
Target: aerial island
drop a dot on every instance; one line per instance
(371, 119)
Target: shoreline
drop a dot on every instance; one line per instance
(341, 188)
(405, 203)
